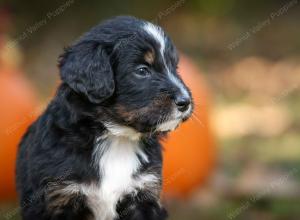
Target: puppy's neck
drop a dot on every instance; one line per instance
(122, 131)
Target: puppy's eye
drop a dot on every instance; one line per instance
(143, 72)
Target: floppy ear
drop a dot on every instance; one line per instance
(86, 68)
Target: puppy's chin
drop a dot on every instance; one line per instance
(169, 125)
(175, 119)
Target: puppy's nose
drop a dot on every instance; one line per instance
(182, 103)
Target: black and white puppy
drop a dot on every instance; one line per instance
(95, 153)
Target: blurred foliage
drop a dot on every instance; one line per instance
(206, 26)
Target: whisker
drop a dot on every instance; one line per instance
(197, 120)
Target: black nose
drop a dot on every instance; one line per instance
(182, 103)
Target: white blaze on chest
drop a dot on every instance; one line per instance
(117, 158)
(117, 165)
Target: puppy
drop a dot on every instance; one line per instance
(94, 153)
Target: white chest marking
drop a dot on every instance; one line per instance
(117, 165)
(117, 158)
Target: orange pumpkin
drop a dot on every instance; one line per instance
(17, 111)
(189, 152)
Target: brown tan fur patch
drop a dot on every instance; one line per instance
(57, 198)
(149, 56)
(154, 107)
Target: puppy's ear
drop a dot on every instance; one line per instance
(86, 68)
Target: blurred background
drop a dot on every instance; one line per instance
(239, 155)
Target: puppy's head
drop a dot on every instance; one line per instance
(128, 68)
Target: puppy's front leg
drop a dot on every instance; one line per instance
(61, 204)
(140, 207)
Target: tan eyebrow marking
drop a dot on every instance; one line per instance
(149, 56)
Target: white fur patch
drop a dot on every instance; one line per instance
(122, 131)
(158, 35)
(117, 158)
(103, 203)
(169, 125)
(118, 163)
